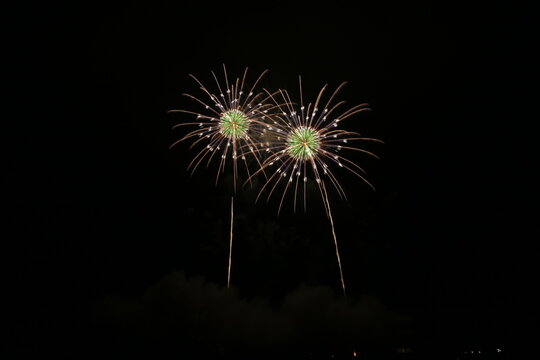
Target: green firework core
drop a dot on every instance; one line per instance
(303, 143)
(233, 124)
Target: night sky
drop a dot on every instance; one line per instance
(113, 249)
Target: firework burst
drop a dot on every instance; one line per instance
(306, 142)
(229, 123)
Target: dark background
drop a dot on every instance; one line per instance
(99, 208)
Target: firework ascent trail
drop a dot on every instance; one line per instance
(230, 245)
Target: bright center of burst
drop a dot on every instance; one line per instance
(233, 124)
(303, 143)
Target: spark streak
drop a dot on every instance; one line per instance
(230, 246)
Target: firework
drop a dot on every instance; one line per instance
(305, 142)
(228, 124)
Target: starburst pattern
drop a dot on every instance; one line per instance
(306, 142)
(229, 123)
